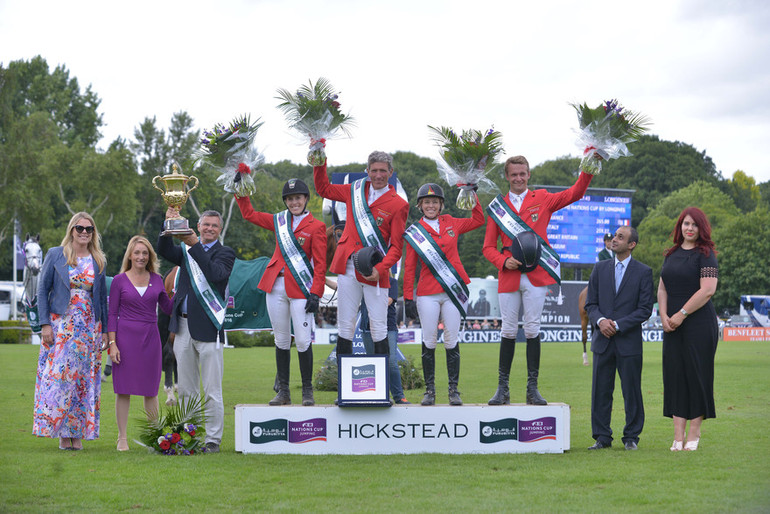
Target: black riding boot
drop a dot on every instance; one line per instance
(429, 372)
(344, 346)
(282, 361)
(382, 347)
(306, 371)
(533, 368)
(503, 395)
(453, 371)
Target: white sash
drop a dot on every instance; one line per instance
(208, 297)
(293, 254)
(436, 260)
(512, 225)
(366, 226)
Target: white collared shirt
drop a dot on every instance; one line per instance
(295, 220)
(434, 224)
(517, 200)
(374, 194)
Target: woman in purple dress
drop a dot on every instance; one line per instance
(135, 346)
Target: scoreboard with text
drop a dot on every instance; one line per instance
(576, 232)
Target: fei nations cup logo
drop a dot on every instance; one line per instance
(524, 431)
(363, 378)
(290, 431)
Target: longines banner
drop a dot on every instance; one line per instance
(403, 429)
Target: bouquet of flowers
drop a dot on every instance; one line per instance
(604, 132)
(466, 159)
(230, 150)
(314, 111)
(177, 432)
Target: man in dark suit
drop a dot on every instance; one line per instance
(199, 342)
(619, 300)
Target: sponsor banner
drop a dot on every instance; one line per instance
(293, 432)
(547, 335)
(403, 429)
(746, 334)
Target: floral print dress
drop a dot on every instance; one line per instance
(68, 385)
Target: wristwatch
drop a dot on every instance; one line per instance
(684, 313)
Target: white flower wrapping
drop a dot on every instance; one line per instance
(237, 175)
(467, 179)
(597, 145)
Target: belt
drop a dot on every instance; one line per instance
(183, 315)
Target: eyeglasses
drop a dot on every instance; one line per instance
(81, 228)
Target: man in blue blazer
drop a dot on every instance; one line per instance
(619, 300)
(198, 343)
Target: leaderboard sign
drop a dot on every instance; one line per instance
(576, 232)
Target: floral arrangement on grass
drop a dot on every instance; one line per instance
(605, 131)
(314, 112)
(177, 432)
(466, 159)
(230, 150)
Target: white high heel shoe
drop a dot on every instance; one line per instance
(677, 446)
(691, 446)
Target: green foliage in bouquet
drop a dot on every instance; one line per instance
(314, 107)
(621, 123)
(223, 141)
(470, 150)
(315, 112)
(178, 431)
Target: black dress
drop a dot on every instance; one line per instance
(688, 351)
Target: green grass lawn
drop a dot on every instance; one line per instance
(729, 472)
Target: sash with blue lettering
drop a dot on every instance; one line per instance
(293, 254)
(436, 260)
(512, 225)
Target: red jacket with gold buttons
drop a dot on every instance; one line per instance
(390, 212)
(449, 229)
(311, 234)
(536, 211)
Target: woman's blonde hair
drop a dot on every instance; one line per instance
(152, 262)
(94, 246)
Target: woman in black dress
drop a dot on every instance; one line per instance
(688, 280)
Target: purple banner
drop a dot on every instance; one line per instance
(308, 430)
(537, 429)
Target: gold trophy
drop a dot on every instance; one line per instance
(175, 196)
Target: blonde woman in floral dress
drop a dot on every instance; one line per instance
(72, 305)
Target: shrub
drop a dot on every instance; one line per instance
(411, 376)
(13, 333)
(242, 339)
(326, 377)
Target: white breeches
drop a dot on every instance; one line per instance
(433, 308)
(283, 311)
(350, 292)
(532, 298)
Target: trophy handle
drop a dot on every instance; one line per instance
(155, 185)
(194, 187)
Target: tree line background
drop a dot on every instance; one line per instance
(50, 168)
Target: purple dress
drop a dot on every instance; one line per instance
(134, 319)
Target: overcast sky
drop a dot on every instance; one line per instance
(698, 69)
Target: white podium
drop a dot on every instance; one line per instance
(329, 429)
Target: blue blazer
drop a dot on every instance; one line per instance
(53, 289)
(629, 307)
(216, 265)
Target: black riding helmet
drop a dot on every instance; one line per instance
(295, 186)
(430, 189)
